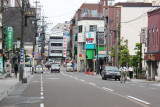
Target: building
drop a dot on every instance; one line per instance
(132, 17)
(152, 56)
(146, 1)
(156, 2)
(87, 21)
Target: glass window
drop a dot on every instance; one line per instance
(80, 28)
(94, 13)
(157, 38)
(149, 38)
(92, 28)
(56, 44)
(153, 37)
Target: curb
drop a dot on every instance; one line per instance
(11, 89)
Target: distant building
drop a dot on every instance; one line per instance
(156, 2)
(152, 55)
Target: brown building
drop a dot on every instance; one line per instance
(152, 55)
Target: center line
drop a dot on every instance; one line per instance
(107, 89)
(138, 100)
(41, 93)
(42, 97)
(41, 105)
(92, 83)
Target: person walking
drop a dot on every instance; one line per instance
(131, 72)
(16, 69)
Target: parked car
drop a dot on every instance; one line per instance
(110, 72)
(69, 67)
(38, 69)
(55, 67)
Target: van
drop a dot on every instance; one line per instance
(69, 67)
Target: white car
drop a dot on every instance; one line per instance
(38, 69)
(69, 67)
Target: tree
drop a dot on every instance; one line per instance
(124, 56)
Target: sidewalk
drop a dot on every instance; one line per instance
(8, 84)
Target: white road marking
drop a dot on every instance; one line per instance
(42, 97)
(153, 88)
(138, 100)
(82, 80)
(41, 90)
(53, 78)
(41, 105)
(42, 93)
(107, 89)
(35, 81)
(91, 83)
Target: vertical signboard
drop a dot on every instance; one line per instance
(22, 57)
(9, 38)
(90, 38)
(1, 63)
(64, 46)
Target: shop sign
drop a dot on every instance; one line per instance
(90, 37)
(9, 38)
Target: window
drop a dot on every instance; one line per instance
(153, 37)
(149, 38)
(157, 38)
(56, 44)
(80, 28)
(94, 13)
(92, 28)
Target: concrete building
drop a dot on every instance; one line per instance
(156, 2)
(87, 21)
(132, 18)
(152, 56)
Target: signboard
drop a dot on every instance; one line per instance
(18, 44)
(64, 46)
(9, 38)
(30, 59)
(100, 38)
(22, 56)
(1, 64)
(32, 53)
(90, 38)
(143, 35)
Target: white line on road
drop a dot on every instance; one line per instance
(41, 93)
(107, 89)
(42, 97)
(153, 88)
(138, 100)
(41, 105)
(82, 80)
(142, 86)
(91, 83)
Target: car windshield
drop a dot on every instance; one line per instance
(55, 65)
(38, 66)
(115, 69)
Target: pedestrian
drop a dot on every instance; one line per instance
(16, 69)
(131, 72)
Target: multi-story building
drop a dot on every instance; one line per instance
(156, 2)
(87, 21)
(152, 56)
(131, 17)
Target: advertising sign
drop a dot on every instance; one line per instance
(100, 38)
(1, 64)
(143, 35)
(64, 46)
(90, 38)
(22, 56)
(9, 38)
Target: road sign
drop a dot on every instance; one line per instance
(33, 53)
(30, 59)
(22, 57)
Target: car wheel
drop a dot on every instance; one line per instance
(118, 79)
(105, 78)
(42, 72)
(115, 79)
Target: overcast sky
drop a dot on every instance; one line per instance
(59, 11)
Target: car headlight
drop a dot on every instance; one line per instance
(107, 73)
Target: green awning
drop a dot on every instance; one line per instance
(90, 54)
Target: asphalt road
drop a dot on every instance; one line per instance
(72, 89)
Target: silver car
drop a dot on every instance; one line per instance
(38, 69)
(69, 67)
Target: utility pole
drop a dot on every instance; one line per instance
(22, 34)
(117, 62)
(97, 65)
(43, 39)
(36, 33)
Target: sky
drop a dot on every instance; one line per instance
(59, 11)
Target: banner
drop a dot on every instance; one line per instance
(90, 38)
(1, 64)
(9, 38)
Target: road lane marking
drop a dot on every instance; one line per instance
(91, 83)
(153, 88)
(41, 105)
(82, 80)
(42, 97)
(42, 93)
(142, 86)
(142, 101)
(107, 89)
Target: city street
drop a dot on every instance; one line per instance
(73, 89)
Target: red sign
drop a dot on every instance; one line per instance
(80, 55)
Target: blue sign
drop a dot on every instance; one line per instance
(22, 57)
(33, 53)
(30, 59)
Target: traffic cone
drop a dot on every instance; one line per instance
(86, 72)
